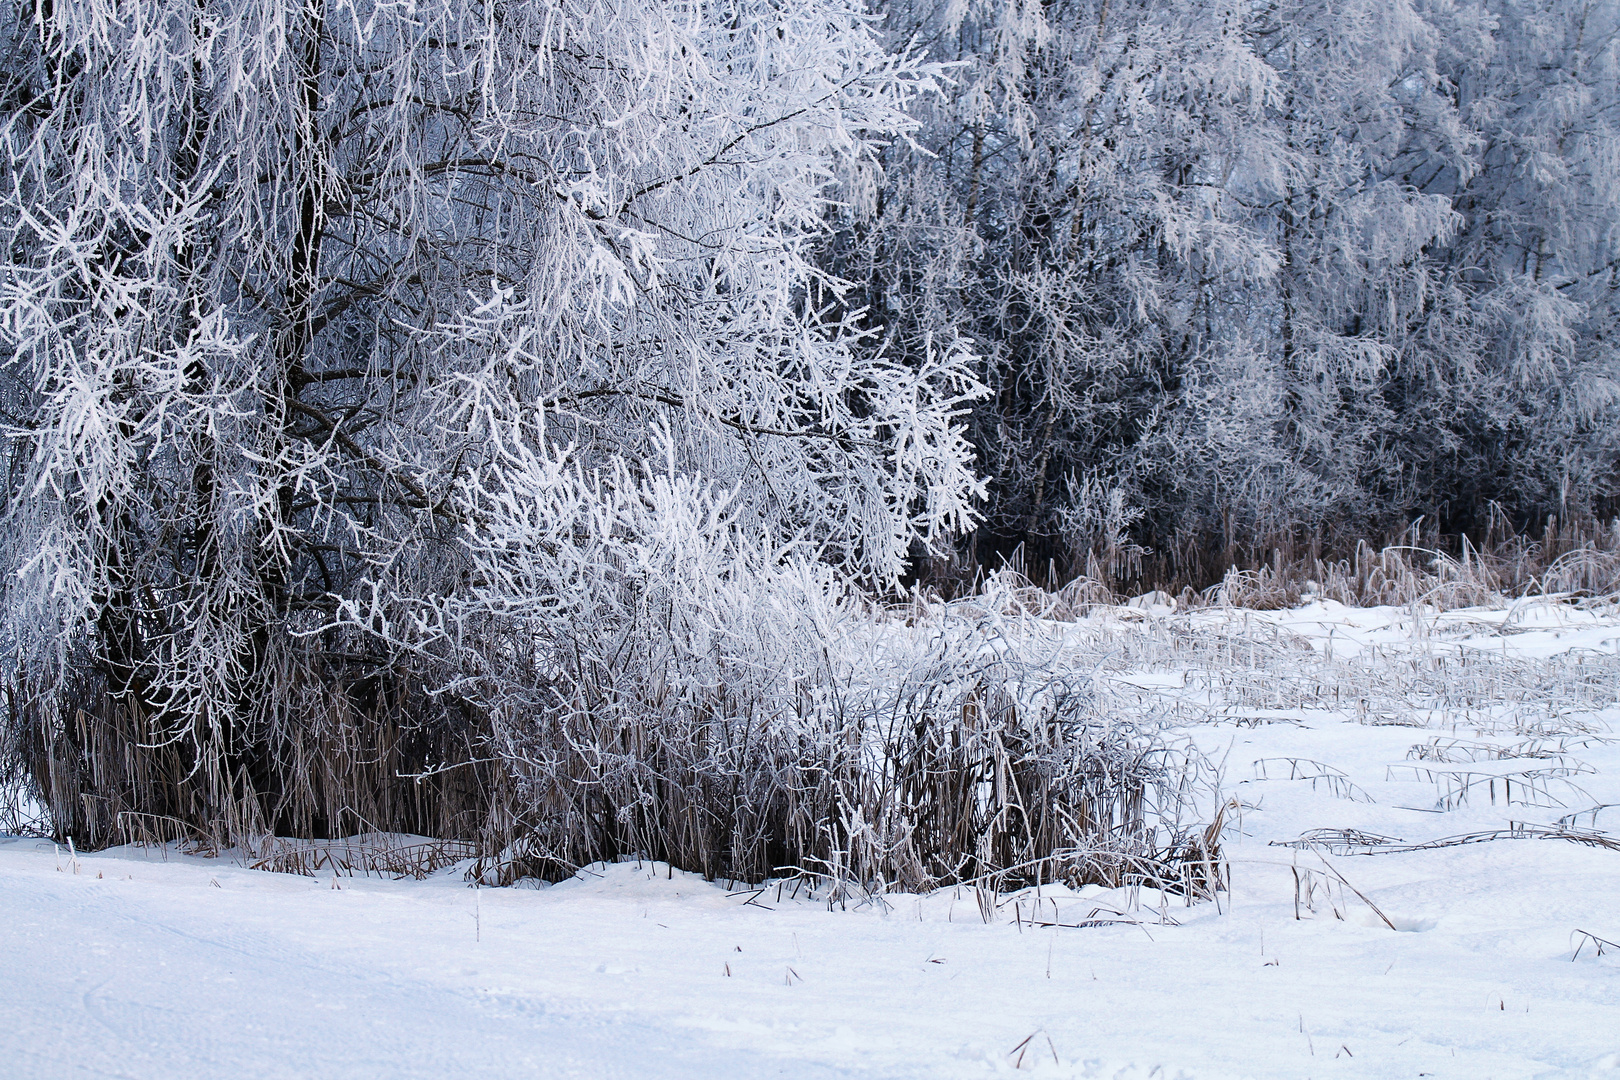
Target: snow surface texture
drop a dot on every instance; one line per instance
(1365, 730)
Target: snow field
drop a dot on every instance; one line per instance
(147, 963)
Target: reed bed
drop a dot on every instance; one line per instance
(991, 740)
(909, 760)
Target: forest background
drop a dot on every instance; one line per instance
(1258, 278)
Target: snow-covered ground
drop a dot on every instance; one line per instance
(1367, 730)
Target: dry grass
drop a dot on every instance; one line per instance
(1600, 946)
(952, 769)
(961, 746)
(1354, 842)
(903, 764)
(370, 855)
(1337, 783)
(1578, 558)
(105, 775)
(1575, 555)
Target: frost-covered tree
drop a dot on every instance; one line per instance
(373, 371)
(1248, 277)
(1517, 361)
(1290, 431)
(1068, 210)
